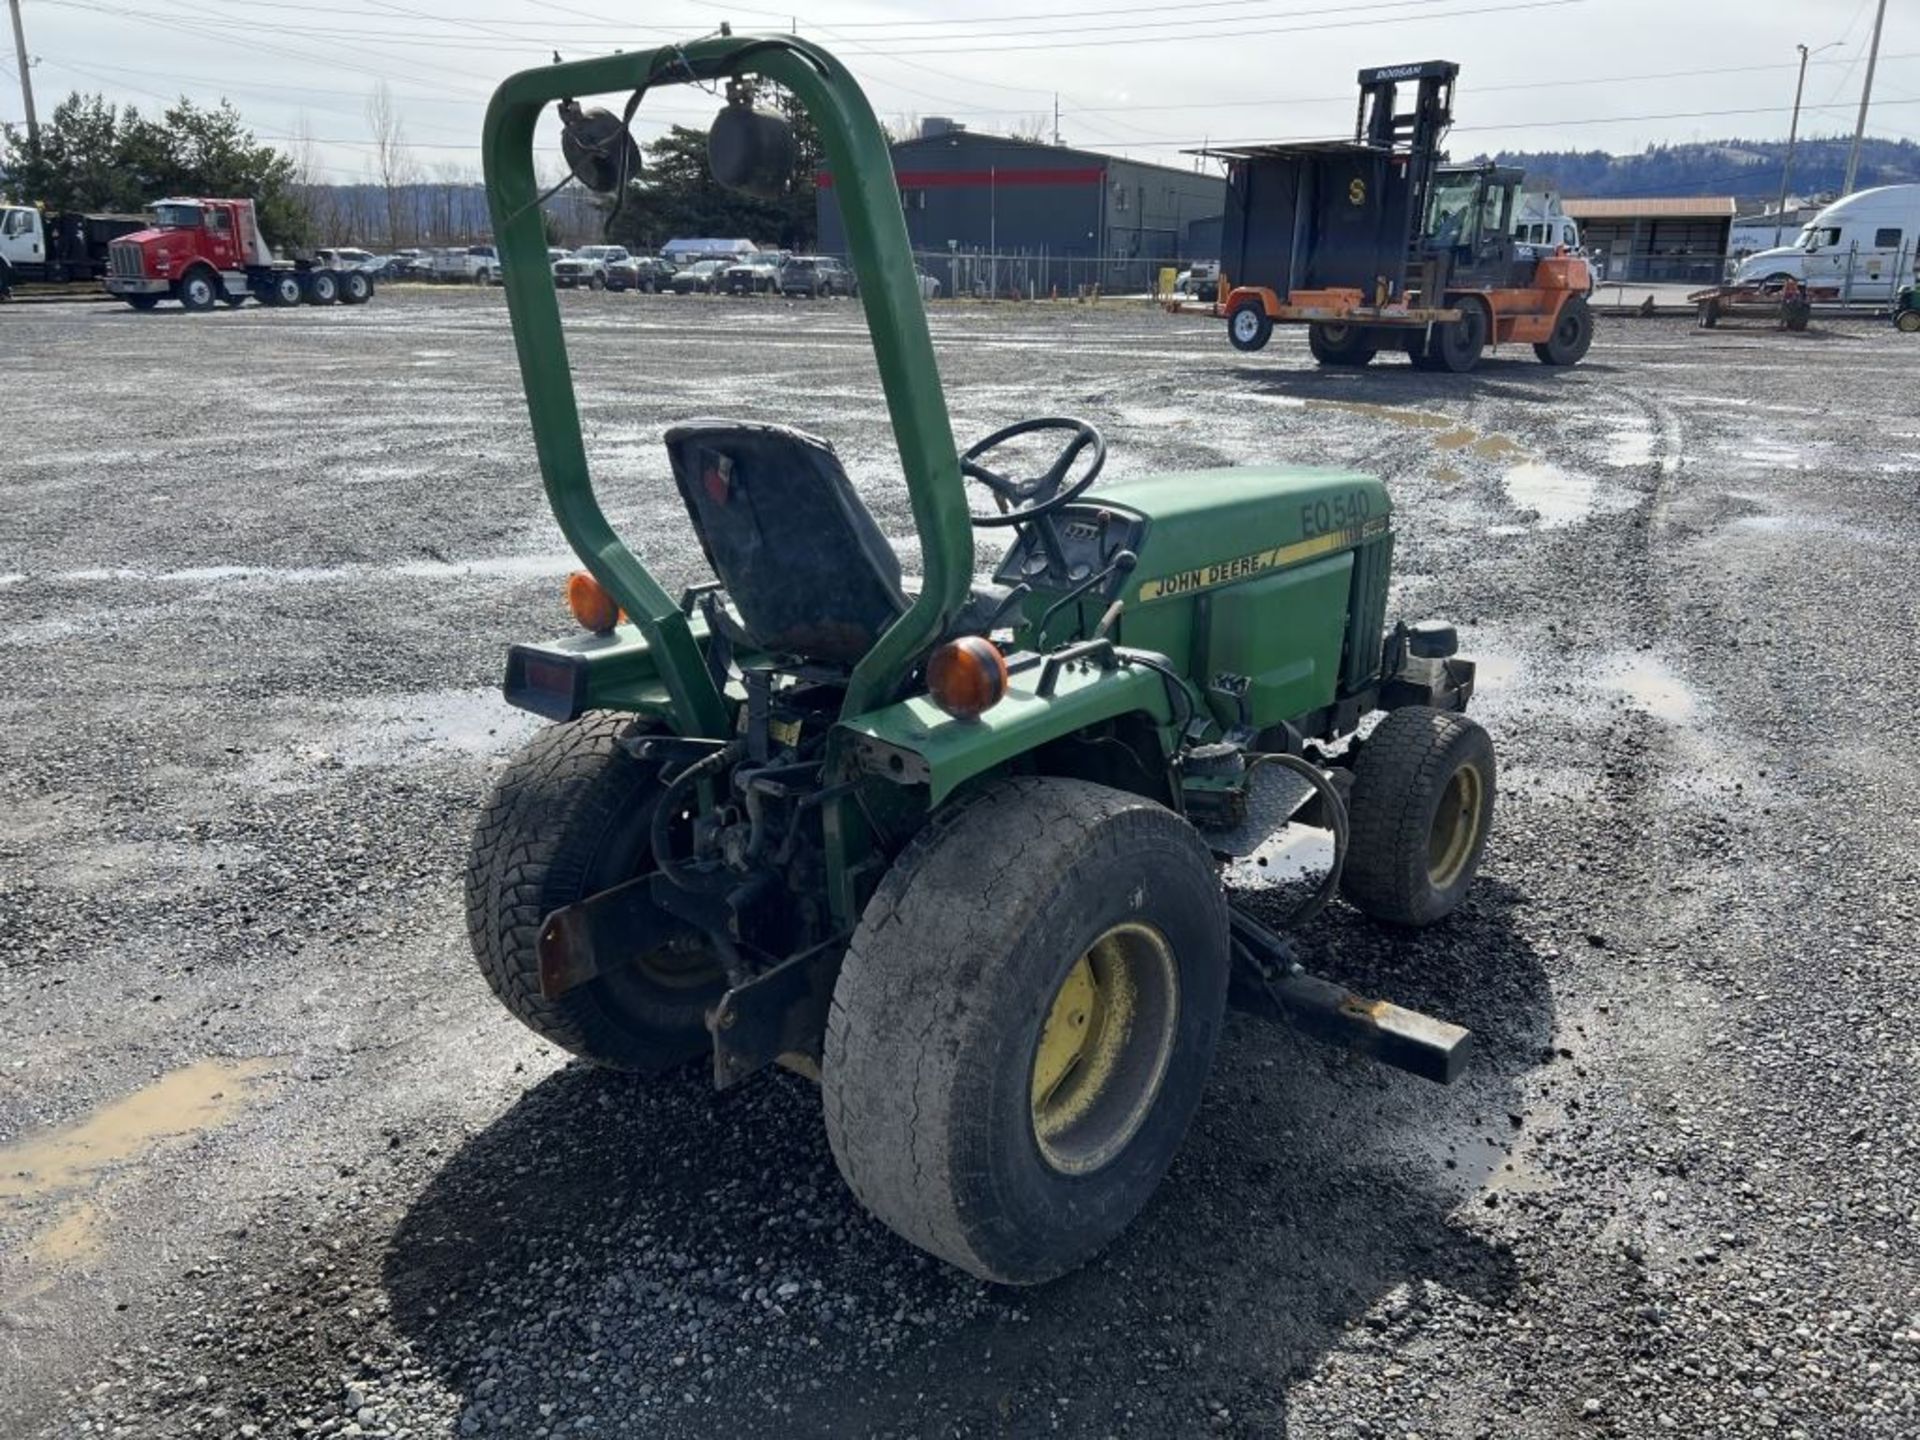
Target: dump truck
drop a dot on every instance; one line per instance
(57, 248)
(1375, 244)
(950, 844)
(201, 252)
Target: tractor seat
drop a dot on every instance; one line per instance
(805, 567)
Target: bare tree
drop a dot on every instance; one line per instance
(392, 160)
(330, 222)
(1037, 128)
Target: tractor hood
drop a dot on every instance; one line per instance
(1209, 528)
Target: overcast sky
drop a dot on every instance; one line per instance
(1132, 77)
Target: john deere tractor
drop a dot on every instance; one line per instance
(952, 844)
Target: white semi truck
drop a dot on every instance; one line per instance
(1863, 245)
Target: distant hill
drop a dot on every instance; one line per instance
(1749, 169)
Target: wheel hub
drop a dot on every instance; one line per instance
(1104, 1048)
(1456, 824)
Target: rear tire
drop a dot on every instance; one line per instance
(571, 817)
(323, 287)
(1572, 334)
(1907, 321)
(356, 287)
(1249, 326)
(1024, 1023)
(1419, 815)
(197, 291)
(282, 290)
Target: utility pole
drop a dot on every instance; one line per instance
(1056, 114)
(1859, 126)
(26, 76)
(1793, 134)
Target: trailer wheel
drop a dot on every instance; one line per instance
(1418, 816)
(570, 817)
(356, 287)
(1907, 321)
(1572, 334)
(323, 287)
(1707, 317)
(1024, 1022)
(197, 290)
(1347, 345)
(1249, 327)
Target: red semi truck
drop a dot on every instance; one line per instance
(200, 251)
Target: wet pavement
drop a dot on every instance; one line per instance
(272, 1161)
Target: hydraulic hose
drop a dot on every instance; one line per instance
(661, 830)
(1336, 809)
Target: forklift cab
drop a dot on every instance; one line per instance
(1469, 228)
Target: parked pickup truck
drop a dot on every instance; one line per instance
(594, 267)
(474, 264)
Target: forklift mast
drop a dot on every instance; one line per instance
(1413, 136)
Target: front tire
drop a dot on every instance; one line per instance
(1456, 345)
(197, 291)
(1419, 816)
(1340, 345)
(1024, 1023)
(1249, 326)
(571, 817)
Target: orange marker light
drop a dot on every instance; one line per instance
(967, 677)
(590, 603)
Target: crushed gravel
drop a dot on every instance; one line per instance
(251, 628)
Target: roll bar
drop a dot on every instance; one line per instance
(862, 167)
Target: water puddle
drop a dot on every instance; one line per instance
(436, 723)
(1650, 685)
(1630, 448)
(1557, 497)
(57, 1182)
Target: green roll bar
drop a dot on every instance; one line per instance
(862, 167)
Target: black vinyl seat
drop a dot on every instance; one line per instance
(802, 562)
(801, 559)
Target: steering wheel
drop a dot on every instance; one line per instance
(1023, 500)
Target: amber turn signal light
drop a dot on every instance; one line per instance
(967, 677)
(590, 603)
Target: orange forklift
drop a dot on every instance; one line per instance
(1374, 244)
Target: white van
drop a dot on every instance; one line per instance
(1872, 233)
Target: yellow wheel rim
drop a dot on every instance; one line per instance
(1456, 826)
(1104, 1048)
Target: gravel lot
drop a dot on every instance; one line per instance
(273, 1162)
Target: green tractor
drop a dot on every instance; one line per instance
(955, 848)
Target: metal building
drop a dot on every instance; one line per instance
(988, 214)
(1658, 239)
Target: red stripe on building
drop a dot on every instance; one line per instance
(954, 179)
